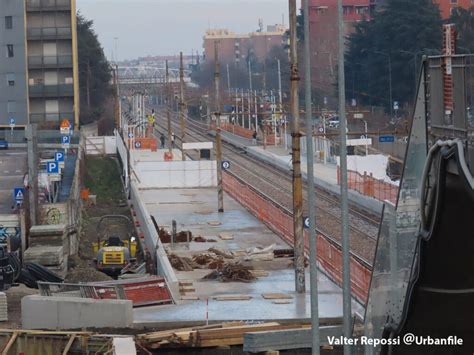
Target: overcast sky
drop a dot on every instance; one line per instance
(161, 27)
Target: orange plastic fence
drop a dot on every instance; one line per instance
(367, 185)
(237, 130)
(329, 254)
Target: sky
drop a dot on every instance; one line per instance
(166, 27)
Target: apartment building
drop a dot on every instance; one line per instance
(40, 47)
(236, 47)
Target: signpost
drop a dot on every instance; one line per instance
(19, 194)
(306, 222)
(52, 168)
(65, 127)
(387, 139)
(12, 124)
(65, 141)
(59, 158)
(225, 165)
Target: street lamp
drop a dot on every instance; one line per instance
(389, 78)
(415, 56)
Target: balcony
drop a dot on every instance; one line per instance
(51, 117)
(57, 61)
(45, 33)
(60, 90)
(48, 5)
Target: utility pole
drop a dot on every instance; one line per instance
(250, 76)
(228, 78)
(182, 104)
(346, 274)
(256, 110)
(313, 274)
(220, 191)
(280, 98)
(32, 172)
(168, 100)
(296, 159)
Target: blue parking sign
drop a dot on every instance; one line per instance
(65, 139)
(59, 156)
(52, 167)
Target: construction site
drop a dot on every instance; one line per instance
(211, 228)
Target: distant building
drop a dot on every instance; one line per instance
(446, 6)
(324, 48)
(39, 68)
(236, 48)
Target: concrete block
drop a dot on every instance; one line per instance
(48, 230)
(46, 255)
(40, 312)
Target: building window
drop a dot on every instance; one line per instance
(11, 79)
(11, 106)
(454, 1)
(10, 53)
(8, 22)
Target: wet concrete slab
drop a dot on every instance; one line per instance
(196, 210)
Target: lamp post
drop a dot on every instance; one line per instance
(415, 59)
(389, 79)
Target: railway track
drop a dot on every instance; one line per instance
(276, 185)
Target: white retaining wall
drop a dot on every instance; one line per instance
(176, 174)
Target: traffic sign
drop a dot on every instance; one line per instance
(396, 105)
(12, 122)
(387, 139)
(306, 222)
(138, 145)
(59, 156)
(65, 127)
(130, 135)
(225, 164)
(66, 140)
(18, 194)
(321, 129)
(52, 167)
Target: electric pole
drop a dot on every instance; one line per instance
(32, 173)
(182, 105)
(296, 158)
(220, 191)
(228, 78)
(346, 273)
(313, 275)
(168, 100)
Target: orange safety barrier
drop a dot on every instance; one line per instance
(168, 156)
(85, 194)
(281, 222)
(237, 130)
(367, 185)
(144, 143)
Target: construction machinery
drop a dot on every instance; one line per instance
(421, 298)
(114, 251)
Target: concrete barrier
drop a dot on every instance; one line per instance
(153, 242)
(40, 312)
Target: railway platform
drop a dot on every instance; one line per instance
(238, 232)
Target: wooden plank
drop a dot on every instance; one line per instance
(276, 296)
(69, 344)
(282, 302)
(232, 298)
(10, 343)
(259, 273)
